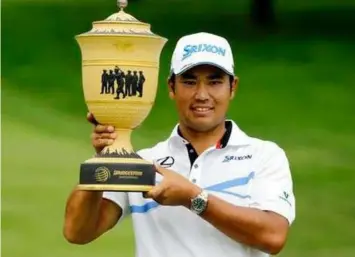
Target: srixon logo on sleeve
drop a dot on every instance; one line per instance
(191, 49)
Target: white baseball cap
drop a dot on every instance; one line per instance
(202, 48)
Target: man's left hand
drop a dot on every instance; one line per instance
(173, 190)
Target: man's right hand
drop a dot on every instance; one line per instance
(102, 136)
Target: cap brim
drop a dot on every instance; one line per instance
(202, 63)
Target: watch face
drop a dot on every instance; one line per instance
(199, 204)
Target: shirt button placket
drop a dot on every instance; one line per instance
(195, 173)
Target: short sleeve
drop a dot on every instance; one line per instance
(121, 199)
(272, 188)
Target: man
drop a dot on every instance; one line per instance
(134, 83)
(119, 76)
(128, 87)
(140, 84)
(104, 82)
(111, 82)
(219, 192)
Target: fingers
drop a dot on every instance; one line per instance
(153, 193)
(159, 169)
(98, 127)
(100, 140)
(100, 144)
(103, 132)
(102, 135)
(106, 135)
(103, 129)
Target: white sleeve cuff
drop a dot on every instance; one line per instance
(121, 199)
(285, 209)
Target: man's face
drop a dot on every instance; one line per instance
(202, 95)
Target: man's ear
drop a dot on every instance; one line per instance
(234, 87)
(171, 88)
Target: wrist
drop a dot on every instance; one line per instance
(192, 192)
(199, 203)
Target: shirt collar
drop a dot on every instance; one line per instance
(233, 136)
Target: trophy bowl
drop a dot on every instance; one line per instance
(120, 68)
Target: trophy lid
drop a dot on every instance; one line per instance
(120, 23)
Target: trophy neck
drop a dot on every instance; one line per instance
(123, 139)
(122, 143)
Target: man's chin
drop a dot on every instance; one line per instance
(202, 124)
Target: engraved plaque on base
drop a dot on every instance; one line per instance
(120, 67)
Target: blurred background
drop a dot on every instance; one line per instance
(295, 61)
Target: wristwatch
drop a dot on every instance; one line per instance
(199, 203)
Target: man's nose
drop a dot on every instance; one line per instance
(201, 93)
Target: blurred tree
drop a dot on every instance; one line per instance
(262, 12)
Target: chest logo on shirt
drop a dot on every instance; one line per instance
(229, 158)
(166, 162)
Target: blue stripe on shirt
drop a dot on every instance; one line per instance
(220, 188)
(143, 208)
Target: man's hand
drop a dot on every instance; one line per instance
(173, 190)
(102, 136)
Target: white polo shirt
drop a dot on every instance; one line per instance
(242, 170)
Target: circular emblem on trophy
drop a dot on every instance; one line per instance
(102, 174)
(122, 84)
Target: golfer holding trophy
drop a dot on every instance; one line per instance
(206, 190)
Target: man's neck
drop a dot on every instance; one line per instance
(201, 141)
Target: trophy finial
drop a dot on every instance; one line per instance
(122, 4)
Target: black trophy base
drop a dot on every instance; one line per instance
(117, 174)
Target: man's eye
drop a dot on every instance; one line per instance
(215, 82)
(189, 82)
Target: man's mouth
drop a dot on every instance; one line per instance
(201, 109)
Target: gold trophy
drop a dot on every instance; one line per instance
(120, 67)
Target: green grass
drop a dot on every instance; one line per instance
(39, 167)
(297, 88)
